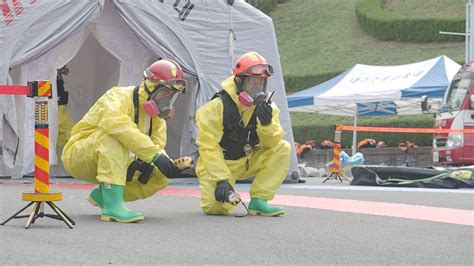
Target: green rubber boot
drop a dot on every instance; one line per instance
(114, 209)
(95, 197)
(260, 207)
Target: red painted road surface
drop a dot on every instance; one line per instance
(417, 212)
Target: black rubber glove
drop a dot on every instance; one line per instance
(165, 165)
(132, 168)
(264, 113)
(223, 190)
(145, 170)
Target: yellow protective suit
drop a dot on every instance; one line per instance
(65, 124)
(268, 162)
(104, 143)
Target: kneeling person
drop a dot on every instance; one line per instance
(123, 133)
(239, 137)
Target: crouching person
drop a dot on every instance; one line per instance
(120, 142)
(239, 137)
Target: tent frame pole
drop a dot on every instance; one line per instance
(354, 134)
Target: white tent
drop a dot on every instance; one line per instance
(378, 90)
(365, 90)
(109, 42)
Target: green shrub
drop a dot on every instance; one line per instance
(385, 25)
(297, 83)
(268, 5)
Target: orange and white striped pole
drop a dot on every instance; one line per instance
(336, 162)
(42, 137)
(336, 172)
(41, 91)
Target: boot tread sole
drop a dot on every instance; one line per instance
(273, 214)
(107, 218)
(93, 202)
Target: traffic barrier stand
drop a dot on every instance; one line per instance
(336, 172)
(41, 92)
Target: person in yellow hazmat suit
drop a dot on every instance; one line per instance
(65, 121)
(239, 136)
(120, 142)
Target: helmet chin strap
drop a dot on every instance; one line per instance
(239, 83)
(146, 89)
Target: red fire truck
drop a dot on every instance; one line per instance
(456, 112)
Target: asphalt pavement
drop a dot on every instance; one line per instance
(326, 223)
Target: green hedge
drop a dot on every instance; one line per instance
(268, 5)
(319, 127)
(297, 83)
(385, 25)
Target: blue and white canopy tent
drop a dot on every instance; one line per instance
(365, 90)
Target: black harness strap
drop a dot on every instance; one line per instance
(135, 104)
(135, 110)
(236, 135)
(138, 165)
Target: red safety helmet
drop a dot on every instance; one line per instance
(252, 64)
(166, 72)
